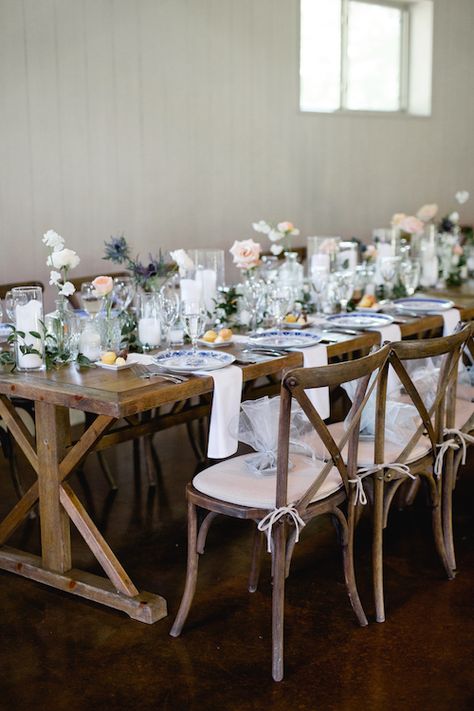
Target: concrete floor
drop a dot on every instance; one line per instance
(59, 652)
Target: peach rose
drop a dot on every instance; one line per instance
(103, 285)
(246, 253)
(411, 225)
(397, 218)
(427, 212)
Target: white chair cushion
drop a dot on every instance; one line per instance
(366, 447)
(231, 481)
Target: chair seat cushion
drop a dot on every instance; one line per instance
(231, 481)
(366, 447)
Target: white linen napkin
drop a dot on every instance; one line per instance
(390, 333)
(451, 319)
(315, 356)
(225, 409)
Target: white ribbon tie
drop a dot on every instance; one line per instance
(463, 439)
(267, 523)
(367, 471)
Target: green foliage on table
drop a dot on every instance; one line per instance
(226, 305)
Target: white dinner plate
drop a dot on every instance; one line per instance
(183, 361)
(285, 339)
(360, 320)
(423, 305)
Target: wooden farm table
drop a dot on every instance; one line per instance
(111, 396)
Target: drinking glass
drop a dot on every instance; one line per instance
(410, 276)
(281, 299)
(389, 268)
(91, 301)
(169, 311)
(194, 320)
(319, 282)
(344, 287)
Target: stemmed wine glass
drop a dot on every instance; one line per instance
(91, 301)
(124, 291)
(410, 276)
(344, 287)
(194, 321)
(169, 311)
(253, 297)
(389, 267)
(319, 282)
(280, 301)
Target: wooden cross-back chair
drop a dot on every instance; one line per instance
(421, 453)
(460, 435)
(281, 505)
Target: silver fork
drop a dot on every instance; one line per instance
(146, 372)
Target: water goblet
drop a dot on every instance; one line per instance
(194, 320)
(169, 311)
(319, 283)
(344, 287)
(281, 299)
(253, 298)
(91, 301)
(124, 291)
(389, 268)
(410, 276)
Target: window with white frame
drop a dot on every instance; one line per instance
(366, 55)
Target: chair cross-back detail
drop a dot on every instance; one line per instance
(282, 505)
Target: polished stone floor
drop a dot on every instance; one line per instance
(59, 652)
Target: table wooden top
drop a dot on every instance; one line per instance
(122, 393)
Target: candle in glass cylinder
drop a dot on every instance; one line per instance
(190, 290)
(28, 318)
(149, 331)
(207, 279)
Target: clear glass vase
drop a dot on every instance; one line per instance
(60, 328)
(291, 273)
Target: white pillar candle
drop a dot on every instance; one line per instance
(89, 342)
(190, 290)
(28, 318)
(207, 279)
(149, 331)
(384, 249)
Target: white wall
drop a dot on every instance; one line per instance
(177, 123)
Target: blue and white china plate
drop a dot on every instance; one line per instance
(360, 320)
(183, 361)
(284, 339)
(423, 304)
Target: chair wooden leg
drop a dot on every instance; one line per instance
(436, 518)
(257, 552)
(204, 530)
(447, 508)
(348, 562)
(278, 600)
(377, 549)
(195, 443)
(191, 572)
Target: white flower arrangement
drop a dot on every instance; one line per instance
(282, 232)
(61, 260)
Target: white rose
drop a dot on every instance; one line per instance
(53, 240)
(276, 249)
(454, 217)
(427, 212)
(275, 236)
(63, 259)
(261, 226)
(462, 196)
(182, 259)
(246, 253)
(54, 278)
(68, 288)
